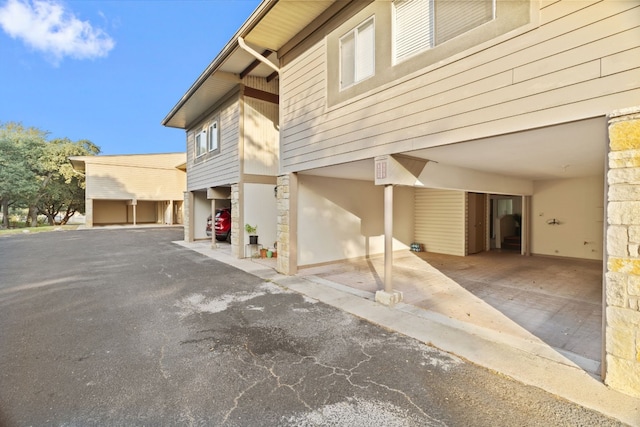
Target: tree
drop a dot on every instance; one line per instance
(35, 173)
(20, 149)
(64, 190)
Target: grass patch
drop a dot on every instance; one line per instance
(40, 229)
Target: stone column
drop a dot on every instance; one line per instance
(286, 231)
(622, 279)
(187, 218)
(88, 212)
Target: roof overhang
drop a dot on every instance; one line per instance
(274, 24)
(77, 163)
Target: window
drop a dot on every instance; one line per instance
(201, 143)
(423, 24)
(213, 136)
(505, 207)
(357, 54)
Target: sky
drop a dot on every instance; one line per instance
(109, 71)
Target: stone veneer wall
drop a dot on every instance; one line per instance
(186, 215)
(283, 230)
(88, 212)
(623, 253)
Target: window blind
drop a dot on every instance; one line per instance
(347, 60)
(413, 27)
(454, 17)
(365, 48)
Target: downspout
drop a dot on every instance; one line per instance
(256, 55)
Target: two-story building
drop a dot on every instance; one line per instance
(230, 115)
(133, 189)
(452, 124)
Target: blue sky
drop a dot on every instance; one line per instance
(108, 71)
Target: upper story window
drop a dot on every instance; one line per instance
(213, 136)
(357, 54)
(423, 24)
(208, 139)
(201, 143)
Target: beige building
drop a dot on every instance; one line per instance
(506, 124)
(230, 116)
(133, 189)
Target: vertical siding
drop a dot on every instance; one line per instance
(260, 137)
(221, 169)
(581, 61)
(262, 84)
(440, 220)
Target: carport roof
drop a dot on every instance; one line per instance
(273, 25)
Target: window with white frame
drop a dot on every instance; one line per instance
(423, 24)
(357, 54)
(201, 143)
(213, 136)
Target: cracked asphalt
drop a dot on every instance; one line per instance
(124, 328)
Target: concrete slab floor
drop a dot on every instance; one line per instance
(509, 349)
(556, 301)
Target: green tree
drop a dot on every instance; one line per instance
(20, 151)
(35, 173)
(64, 189)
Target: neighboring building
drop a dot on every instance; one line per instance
(230, 115)
(454, 125)
(133, 189)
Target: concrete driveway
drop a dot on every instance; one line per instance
(124, 327)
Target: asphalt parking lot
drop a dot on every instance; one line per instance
(124, 327)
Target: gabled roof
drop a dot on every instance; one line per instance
(273, 24)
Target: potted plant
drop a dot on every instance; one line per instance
(253, 238)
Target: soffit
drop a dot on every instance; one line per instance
(273, 24)
(77, 163)
(286, 19)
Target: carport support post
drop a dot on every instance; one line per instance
(388, 296)
(388, 237)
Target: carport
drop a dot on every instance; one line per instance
(555, 174)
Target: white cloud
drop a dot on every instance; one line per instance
(46, 26)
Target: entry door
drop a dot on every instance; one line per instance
(476, 223)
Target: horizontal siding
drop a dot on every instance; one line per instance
(145, 176)
(410, 101)
(126, 182)
(222, 169)
(581, 62)
(304, 89)
(439, 221)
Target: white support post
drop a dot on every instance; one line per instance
(388, 296)
(388, 238)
